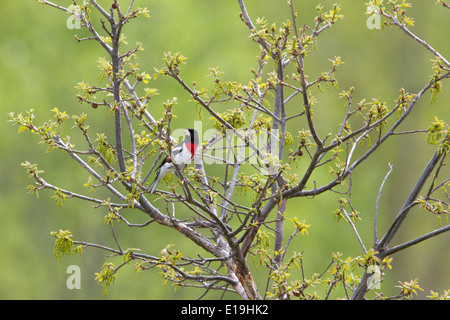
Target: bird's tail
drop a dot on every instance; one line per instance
(153, 186)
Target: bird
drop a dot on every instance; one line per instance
(181, 155)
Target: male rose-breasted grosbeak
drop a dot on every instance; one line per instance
(181, 155)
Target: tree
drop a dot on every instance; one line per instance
(229, 211)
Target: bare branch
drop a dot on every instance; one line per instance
(410, 243)
(54, 5)
(412, 197)
(416, 38)
(375, 238)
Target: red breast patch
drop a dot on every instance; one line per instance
(192, 147)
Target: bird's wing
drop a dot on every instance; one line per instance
(178, 148)
(158, 169)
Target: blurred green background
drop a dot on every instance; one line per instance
(40, 64)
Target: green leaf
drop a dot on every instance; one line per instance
(106, 276)
(64, 244)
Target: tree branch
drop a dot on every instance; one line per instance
(410, 243)
(384, 242)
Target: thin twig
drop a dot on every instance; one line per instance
(375, 237)
(416, 38)
(354, 228)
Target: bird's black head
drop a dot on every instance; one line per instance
(191, 136)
